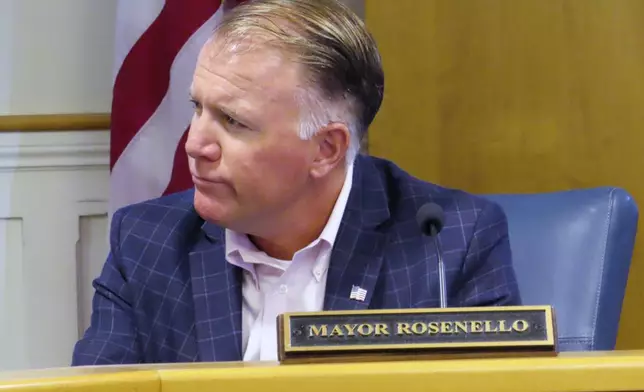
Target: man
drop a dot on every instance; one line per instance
(285, 214)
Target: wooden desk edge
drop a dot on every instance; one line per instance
(602, 362)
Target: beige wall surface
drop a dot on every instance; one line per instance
(517, 96)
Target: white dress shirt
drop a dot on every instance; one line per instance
(271, 286)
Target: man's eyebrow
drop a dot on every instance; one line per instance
(229, 111)
(224, 108)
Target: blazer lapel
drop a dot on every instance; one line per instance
(216, 287)
(358, 252)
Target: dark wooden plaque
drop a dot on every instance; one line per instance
(387, 334)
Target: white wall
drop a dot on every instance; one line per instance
(54, 241)
(60, 54)
(55, 57)
(6, 47)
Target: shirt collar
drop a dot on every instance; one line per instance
(330, 231)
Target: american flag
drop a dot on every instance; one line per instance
(358, 293)
(157, 43)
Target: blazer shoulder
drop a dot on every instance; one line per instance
(170, 215)
(406, 193)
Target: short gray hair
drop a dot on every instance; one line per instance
(345, 79)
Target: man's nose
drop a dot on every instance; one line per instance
(202, 141)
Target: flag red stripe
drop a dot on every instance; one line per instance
(180, 179)
(144, 77)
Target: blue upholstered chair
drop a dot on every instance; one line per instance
(573, 250)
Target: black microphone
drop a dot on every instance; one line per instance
(430, 218)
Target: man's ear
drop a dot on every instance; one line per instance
(332, 143)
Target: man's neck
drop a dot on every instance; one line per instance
(310, 216)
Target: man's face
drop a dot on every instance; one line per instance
(246, 158)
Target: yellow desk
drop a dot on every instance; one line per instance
(601, 371)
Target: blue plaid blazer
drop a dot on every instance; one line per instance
(167, 293)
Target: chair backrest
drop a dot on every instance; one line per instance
(572, 249)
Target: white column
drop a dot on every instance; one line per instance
(53, 217)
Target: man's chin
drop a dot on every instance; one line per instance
(211, 210)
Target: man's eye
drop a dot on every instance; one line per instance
(232, 122)
(196, 105)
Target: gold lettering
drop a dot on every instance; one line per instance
(462, 325)
(322, 330)
(381, 329)
(503, 327)
(365, 329)
(403, 329)
(520, 325)
(419, 328)
(350, 329)
(337, 331)
(446, 327)
(489, 327)
(476, 327)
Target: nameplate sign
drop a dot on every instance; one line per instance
(451, 332)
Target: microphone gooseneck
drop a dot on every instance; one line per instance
(430, 219)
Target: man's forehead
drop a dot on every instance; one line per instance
(248, 63)
(248, 48)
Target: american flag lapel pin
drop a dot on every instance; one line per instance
(358, 293)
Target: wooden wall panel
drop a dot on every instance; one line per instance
(517, 96)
